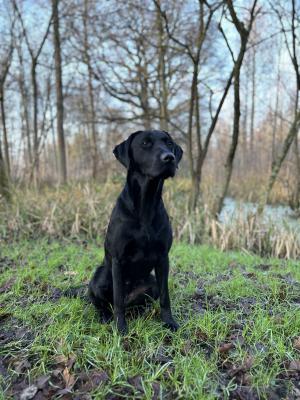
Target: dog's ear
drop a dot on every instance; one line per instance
(122, 151)
(177, 151)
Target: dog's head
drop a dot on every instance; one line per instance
(152, 153)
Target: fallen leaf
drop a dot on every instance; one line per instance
(294, 365)
(225, 347)
(88, 381)
(187, 347)
(248, 363)
(21, 366)
(61, 359)
(68, 378)
(297, 343)
(41, 381)
(29, 393)
(71, 361)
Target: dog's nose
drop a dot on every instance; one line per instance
(167, 157)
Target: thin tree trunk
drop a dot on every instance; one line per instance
(92, 114)
(296, 198)
(163, 91)
(192, 105)
(36, 161)
(59, 95)
(24, 99)
(245, 122)
(278, 162)
(54, 141)
(5, 139)
(274, 127)
(4, 185)
(234, 141)
(253, 97)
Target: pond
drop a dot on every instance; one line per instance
(276, 214)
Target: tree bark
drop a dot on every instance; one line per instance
(5, 138)
(4, 185)
(253, 98)
(25, 106)
(295, 205)
(163, 90)
(234, 141)
(59, 95)
(36, 161)
(92, 114)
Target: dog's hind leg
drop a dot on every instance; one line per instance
(100, 293)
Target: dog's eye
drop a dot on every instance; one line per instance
(146, 143)
(169, 143)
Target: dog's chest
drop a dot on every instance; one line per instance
(146, 245)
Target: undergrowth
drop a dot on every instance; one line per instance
(83, 210)
(239, 334)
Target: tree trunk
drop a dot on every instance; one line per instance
(294, 129)
(92, 113)
(36, 161)
(274, 125)
(24, 100)
(278, 162)
(253, 97)
(244, 36)
(235, 138)
(195, 181)
(59, 95)
(296, 196)
(245, 122)
(5, 139)
(163, 91)
(4, 185)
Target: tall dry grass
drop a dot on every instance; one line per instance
(83, 210)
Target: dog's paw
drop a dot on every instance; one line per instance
(122, 326)
(172, 325)
(105, 317)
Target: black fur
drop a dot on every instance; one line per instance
(139, 235)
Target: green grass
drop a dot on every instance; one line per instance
(235, 299)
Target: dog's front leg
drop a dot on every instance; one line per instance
(118, 291)
(162, 275)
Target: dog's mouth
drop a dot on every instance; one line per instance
(168, 170)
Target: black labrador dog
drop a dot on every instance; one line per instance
(139, 234)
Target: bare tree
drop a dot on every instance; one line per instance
(92, 113)
(163, 90)
(244, 33)
(4, 186)
(5, 63)
(292, 45)
(34, 56)
(25, 102)
(196, 158)
(59, 95)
